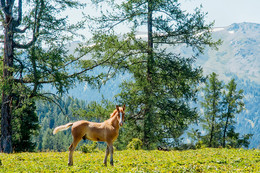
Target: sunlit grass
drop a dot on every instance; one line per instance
(203, 160)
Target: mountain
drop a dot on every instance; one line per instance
(238, 57)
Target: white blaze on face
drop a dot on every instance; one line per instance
(121, 119)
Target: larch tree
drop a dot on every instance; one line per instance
(35, 54)
(212, 110)
(232, 105)
(164, 82)
(221, 103)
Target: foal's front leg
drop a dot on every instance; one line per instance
(111, 151)
(107, 153)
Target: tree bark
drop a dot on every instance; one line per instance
(6, 113)
(148, 88)
(225, 130)
(212, 133)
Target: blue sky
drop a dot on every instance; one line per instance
(226, 12)
(223, 12)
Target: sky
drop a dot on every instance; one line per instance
(223, 12)
(226, 12)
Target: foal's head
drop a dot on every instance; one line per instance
(120, 113)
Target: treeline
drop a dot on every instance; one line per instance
(52, 114)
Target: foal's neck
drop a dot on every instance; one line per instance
(114, 121)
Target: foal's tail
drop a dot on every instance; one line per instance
(63, 127)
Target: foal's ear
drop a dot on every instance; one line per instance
(117, 107)
(124, 107)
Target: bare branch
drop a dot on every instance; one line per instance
(17, 30)
(26, 46)
(106, 60)
(19, 19)
(36, 29)
(53, 100)
(4, 7)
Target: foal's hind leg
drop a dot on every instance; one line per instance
(71, 149)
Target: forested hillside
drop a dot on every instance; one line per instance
(51, 115)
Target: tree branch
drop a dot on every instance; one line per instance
(4, 8)
(26, 46)
(19, 19)
(36, 29)
(55, 100)
(17, 30)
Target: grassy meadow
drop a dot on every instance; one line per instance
(202, 160)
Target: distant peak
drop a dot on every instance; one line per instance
(243, 26)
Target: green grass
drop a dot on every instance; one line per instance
(203, 160)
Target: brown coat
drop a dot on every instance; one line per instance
(106, 131)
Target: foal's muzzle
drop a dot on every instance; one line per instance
(121, 119)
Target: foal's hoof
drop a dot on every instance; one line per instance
(70, 164)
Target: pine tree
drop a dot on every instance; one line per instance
(220, 108)
(25, 126)
(233, 104)
(35, 54)
(212, 110)
(158, 99)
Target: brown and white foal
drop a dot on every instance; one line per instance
(106, 131)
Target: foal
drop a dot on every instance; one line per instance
(106, 131)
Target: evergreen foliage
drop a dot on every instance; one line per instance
(24, 122)
(221, 103)
(135, 144)
(88, 148)
(25, 127)
(212, 111)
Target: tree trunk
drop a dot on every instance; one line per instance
(6, 113)
(212, 131)
(148, 88)
(225, 130)
(213, 124)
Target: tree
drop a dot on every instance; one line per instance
(35, 54)
(233, 104)
(220, 108)
(25, 126)
(212, 110)
(158, 99)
